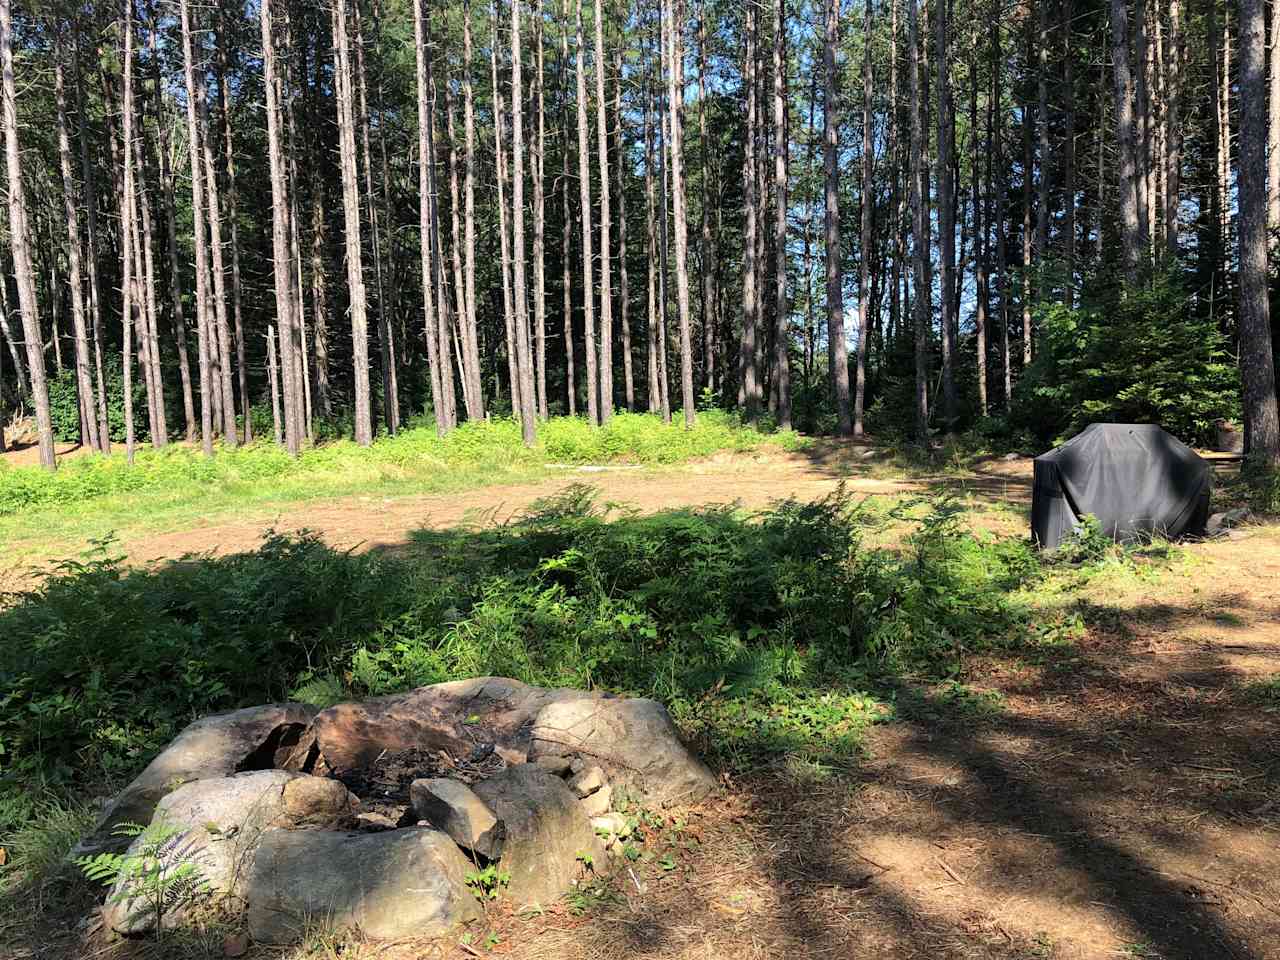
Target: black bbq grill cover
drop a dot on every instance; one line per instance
(1135, 478)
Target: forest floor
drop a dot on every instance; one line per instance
(1116, 794)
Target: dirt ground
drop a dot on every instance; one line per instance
(754, 480)
(1125, 802)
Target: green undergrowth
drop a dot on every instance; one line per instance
(416, 458)
(766, 634)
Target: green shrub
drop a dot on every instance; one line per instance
(1128, 355)
(64, 402)
(756, 628)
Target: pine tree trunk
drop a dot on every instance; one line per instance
(1257, 361)
(651, 250)
(588, 258)
(1173, 151)
(1042, 132)
(710, 322)
(1002, 193)
(839, 359)
(431, 332)
(84, 381)
(1127, 137)
(274, 377)
(469, 216)
(386, 341)
(237, 309)
(1273, 126)
(150, 346)
(606, 242)
(128, 229)
(749, 388)
(524, 366)
(351, 222)
(624, 286)
(286, 314)
(19, 242)
(782, 361)
(920, 259)
(1069, 154)
(470, 392)
(504, 234)
(177, 316)
(539, 224)
(201, 254)
(566, 234)
(947, 214)
(981, 304)
(675, 113)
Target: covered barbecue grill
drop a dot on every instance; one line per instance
(1135, 478)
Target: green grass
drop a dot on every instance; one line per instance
(92, 495)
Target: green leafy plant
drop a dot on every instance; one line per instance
(151, 872)
(487, 882)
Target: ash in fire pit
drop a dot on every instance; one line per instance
(383, 785)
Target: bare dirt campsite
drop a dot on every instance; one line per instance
(1109, 791)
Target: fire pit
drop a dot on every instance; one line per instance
(374, 814)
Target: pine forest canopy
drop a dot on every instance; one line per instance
(313, 216)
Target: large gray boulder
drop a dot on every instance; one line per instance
(204, 837)
(255, 738)
(455, 717)
(635, 743)
(409, 882)
(549, 837)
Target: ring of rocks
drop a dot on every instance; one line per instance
(375, 814)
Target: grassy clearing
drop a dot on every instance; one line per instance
(91, 496)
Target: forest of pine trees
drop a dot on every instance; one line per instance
(326, 216)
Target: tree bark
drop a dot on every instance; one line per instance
(606, 271)
(19, 241)
(127, 236)
(920, 243)
(707, 242)
(750, 391)
(1257, 361)
(286, 314)
(947, 213)
(839, 359)
(539, 223)
(584, 190)
(351, 221)
(566, 227)
(651, 250)
(524, 367)
(782, 310)
(624, 286)
(469, 216)
(1127, 137)
(237, 307)
(84, 381)
(431, 333)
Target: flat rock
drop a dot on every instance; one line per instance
(598, 803)
(455, 717)
(587, 781)
(454, 808)
(401, 883)
(255, 738)
(633, 741)
(548, 834)
(211, 829)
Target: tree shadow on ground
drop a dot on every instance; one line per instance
(1098, 800)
